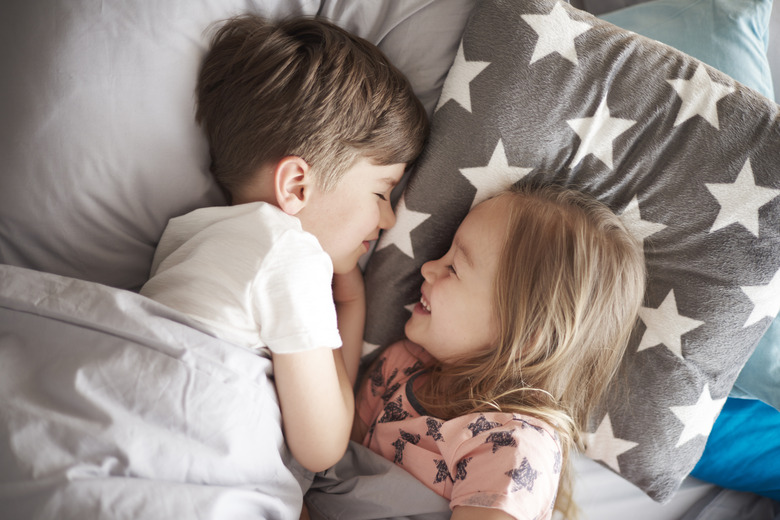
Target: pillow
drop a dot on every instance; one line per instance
(743, 449)
(730, 35)
(99, 143)
(689, 158)
(760, 377)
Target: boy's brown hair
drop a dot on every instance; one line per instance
(302, 87)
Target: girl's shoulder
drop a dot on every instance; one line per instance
(478, 427)
(404, 355)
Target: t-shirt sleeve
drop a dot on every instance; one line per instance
(292, 296)
(513, 466)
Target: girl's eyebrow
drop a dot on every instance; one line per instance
(464, 251)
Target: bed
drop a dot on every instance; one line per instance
(114, 406)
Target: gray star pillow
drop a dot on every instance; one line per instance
(689, 158)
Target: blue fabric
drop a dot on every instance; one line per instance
(729, 35)
(760, 377)
(743, 450)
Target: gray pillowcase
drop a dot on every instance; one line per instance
(687, 156)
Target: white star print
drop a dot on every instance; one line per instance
(766, 304)
(740, 200)
(369, 347)
(400, 234)
(557, 32)
(665, 325)
(604, 446)
(700, 96)
(458, 80)
(597, 134)
(495, 177)
(641, 229)
(698, 419)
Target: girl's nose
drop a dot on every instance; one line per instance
(386, 216)
(428, 270)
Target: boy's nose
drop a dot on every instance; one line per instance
(386, 216)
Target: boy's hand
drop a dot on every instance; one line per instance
(349, 287)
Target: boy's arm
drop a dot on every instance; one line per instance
(349, 294)
(316, 387)
(317, 405)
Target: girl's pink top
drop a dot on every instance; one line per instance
(498, 460)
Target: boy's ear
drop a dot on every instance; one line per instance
(292, 183)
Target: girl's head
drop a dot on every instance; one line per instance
(531, 308)
(530, 311)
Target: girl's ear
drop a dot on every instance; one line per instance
(292, 183)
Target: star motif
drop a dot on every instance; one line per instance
(766, 303)
(523, 477)
(401, 234)
(632, 219)
(740, 201)
(460, 469)
(442, 472)
(597, 133)
(557, 32)
(666, 325)
(495, 177)
(700, 96)
(604, 446)
(482, 424)
(698, 418)
(369, 347)
(461, 74)
(501, 439)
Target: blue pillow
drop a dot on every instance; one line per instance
(729, 35)
(743, 449)
(760, 377)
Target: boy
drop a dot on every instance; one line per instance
(309, 130)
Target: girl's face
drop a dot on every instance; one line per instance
(456, 313)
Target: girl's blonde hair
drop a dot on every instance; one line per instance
(569, 287)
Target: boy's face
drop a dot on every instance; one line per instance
(347, 218)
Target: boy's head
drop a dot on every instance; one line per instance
(306, 88)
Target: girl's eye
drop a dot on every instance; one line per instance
(451, 268)
(380, 196)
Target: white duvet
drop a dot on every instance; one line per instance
(111, 406)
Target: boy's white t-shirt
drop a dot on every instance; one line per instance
(250, 275)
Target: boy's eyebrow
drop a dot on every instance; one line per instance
(391, 183)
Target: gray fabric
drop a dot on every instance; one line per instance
(113, 406)
(701, 266)
(728, 504)
(365, 485)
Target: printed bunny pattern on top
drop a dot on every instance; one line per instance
(505, 461)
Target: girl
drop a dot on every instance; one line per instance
(518, 331)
